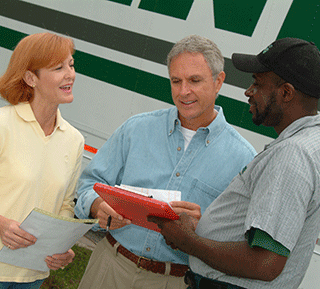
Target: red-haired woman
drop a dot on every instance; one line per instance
(40, 153)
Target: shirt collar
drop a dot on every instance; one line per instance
(24, 110)
(217, 125)
(212, 130)
(299, 124)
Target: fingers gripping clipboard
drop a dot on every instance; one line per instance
(134, 206)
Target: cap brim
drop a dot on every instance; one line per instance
(248, 63)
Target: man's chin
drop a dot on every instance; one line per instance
(257, 121)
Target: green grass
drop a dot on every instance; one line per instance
(70, 277)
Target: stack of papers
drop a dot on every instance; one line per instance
(161, 195)
(55, 235)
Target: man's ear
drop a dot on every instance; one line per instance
(288, 92)
(30, 78)
(219, 80)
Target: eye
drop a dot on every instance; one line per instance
(195, 79)
(175, 81)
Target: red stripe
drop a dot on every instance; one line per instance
(90, 149)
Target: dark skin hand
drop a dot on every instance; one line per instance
(191, 209)
(232, 258)
(185, 227)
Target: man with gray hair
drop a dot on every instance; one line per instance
(189, 148)
(261, 231)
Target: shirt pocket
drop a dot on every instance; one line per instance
(202, 194)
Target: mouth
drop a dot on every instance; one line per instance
(252, 107)
(188, 102)
(66, 88)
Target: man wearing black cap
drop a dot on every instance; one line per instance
(261, 231)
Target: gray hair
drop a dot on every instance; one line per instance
(199, 44)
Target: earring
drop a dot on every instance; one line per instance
(33, 85)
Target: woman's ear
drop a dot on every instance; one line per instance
(29, 78)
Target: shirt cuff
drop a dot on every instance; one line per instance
(84, 202)
(259, 238)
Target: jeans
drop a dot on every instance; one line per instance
(14, 285)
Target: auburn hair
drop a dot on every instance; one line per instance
(36, 51)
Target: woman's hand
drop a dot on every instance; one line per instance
(12, 236)
(58, 261)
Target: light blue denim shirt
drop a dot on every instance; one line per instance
(148, 151)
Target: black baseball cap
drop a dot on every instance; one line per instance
(295, 60)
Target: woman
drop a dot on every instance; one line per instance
(40, 153)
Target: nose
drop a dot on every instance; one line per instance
(70, 73)
(185, 89)
(250, 91)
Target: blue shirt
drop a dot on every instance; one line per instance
(148, 151)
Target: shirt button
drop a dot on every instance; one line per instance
(148, 249)
(179, 148)
(178, 174)
(208, 141)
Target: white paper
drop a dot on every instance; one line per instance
(161, 195)
(55, 234)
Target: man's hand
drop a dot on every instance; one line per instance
(191, 209)
(58, 261)
(12, 236)
(233, 258)
(101, 210)
(178, 233)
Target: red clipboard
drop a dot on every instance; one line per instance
(135, 207)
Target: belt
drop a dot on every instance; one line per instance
(196, 281)
(176, 270)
